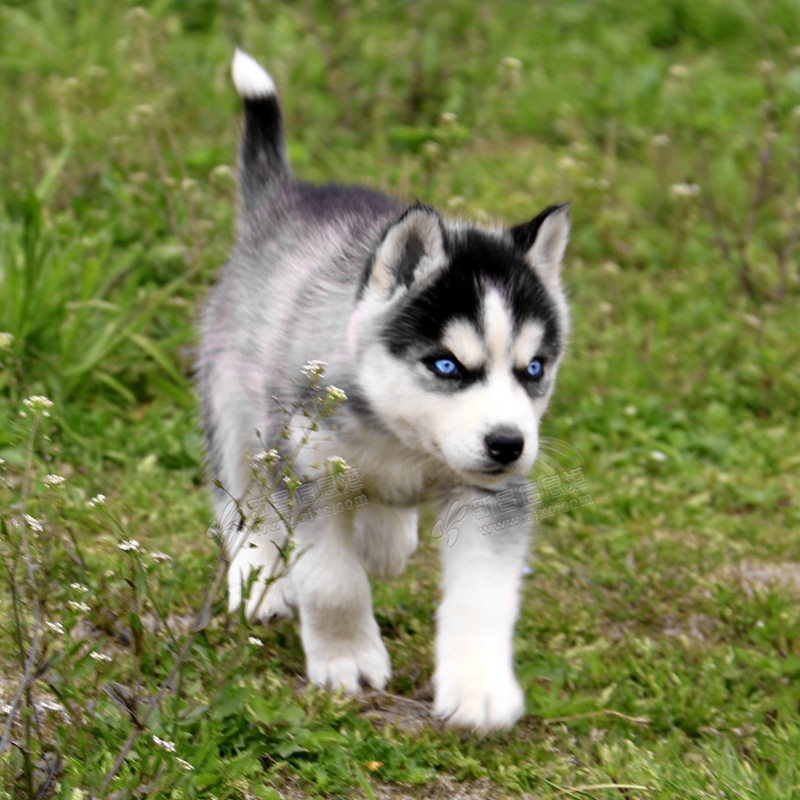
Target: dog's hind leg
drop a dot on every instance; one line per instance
(254, 537)
(340, 636)
(386, 538)
(271, 594)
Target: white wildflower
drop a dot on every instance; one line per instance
(5, 340)
(138, 14)
(96, 72)
(255, 640)
(336, 394)
(158, 557)
(630, 411)
(679, 71)
(100, 656)
(49, 705)
(338, 461)
(431, 150)
(268, 457)
(97, 500)
(56, 627)
(657, 455)
(78, 587)
(511, 64)
(605, 308)
(79, 606)
(72, 85)
(313, 370)
(456, 202)
(164, 744)
(33, 523)
(753, 321)
(682, 191)
(222, 173)
(128, 545)
(567, 163)
(184, 764)
(37, 403)
(144, 111)
(55, 481)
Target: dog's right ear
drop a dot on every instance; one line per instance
(412, 250)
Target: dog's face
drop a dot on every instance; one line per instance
(458, 335)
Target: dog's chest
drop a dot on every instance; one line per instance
(390, 472)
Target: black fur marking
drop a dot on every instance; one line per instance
(332, 201)
(525, 235)
(412, 254)
(404, 270)
(263, 151)
(445, 384)
(478, 262)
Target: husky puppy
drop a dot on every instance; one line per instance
(446, 339)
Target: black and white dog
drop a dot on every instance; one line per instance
(446, 339)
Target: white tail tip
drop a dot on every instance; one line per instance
(250, 78)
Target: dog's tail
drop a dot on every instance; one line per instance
(262, 155)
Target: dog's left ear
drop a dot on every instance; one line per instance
(543, 240)
(411, 251)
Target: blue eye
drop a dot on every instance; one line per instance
(535, 369)
(446, 368)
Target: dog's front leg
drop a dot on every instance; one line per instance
(483, 555)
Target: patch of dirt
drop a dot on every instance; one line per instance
(754, 576)
(443, 788)
(697, 627)
(404, 713)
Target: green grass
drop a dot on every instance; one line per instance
(658, 643)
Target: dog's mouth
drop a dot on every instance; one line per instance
(494, 469)
(489, 476)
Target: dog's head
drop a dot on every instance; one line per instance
(457, 337)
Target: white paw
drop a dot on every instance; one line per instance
(480, 705)
(349, 664)
(268, 603)
(269, 598)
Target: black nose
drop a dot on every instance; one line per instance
(505, 445)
